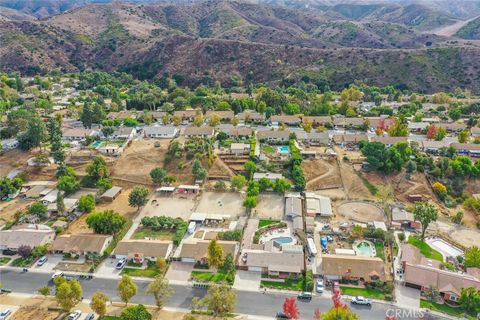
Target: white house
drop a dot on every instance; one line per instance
(162, 132)
(124, 133)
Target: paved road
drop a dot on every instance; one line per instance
(252, 303)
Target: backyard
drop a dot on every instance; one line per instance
(147, 232)
(380, 249)
(425, 249)
(266, 222)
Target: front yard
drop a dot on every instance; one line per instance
(288, 284)
(366, 292)
(425, 249)
(23, 262)
(150, 271)
(444, 308)
(4, 260)
(206, 276)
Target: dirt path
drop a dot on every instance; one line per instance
(451, 30)
(330, 170)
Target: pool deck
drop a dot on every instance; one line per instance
(445, 248)
(279, 233)
(373, 251)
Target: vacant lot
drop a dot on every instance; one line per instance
(8, 209)
(138, 160)
(322, 174)
(175, 206)
(14, 159)
(34, 313)
(361, 211)
(225, 203)
(271, 206)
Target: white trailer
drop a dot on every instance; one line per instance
(311, 246)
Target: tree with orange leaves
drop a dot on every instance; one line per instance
(290, 309)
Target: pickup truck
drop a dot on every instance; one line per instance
(361, 301)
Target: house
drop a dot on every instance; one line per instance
(273, 136)
(343, 122)
(69, 203)
(81, 243)
(475, 132)
(289, 120)
(199, 132)
(411, 254)
(187, 115)
(196, 250)
(467, 149)
(239, 148)
(433, 147)
(388, 141)
(37, 191)
(124, 114)
(448, 283)
(50, 197)
(452, 126)
(417, 126)
(401, 218)
(157, 115)
(139, 250)
(188, 189)
(78, 134)
(349, 140)
(160, 132)
(9, 144)
(237, 132)
(110, 149)
(293, 210)
(337, 267)
(111, 194)
(317, 120)
(276, 263)
(32, 235)
(383, 123)
(269, 175)
(318, 205)
(124, 133)
(226, 115)
(250, 116)
(313, 138)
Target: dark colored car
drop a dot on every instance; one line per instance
(306, 296)
(281, 315)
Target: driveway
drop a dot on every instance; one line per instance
(51, 263)
(179, 272)
(247, 280)
(107, 269)
(407, 297)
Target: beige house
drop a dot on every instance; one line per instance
(32, 235)
(81, 243)
(196, 250)
(199, 132)
(367, 269)
(139, 250)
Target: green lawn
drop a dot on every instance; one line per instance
(379, 247)
(205, 276)
(268, 149)
(4, 260)
(289, 284)
(266, 222)
(425, 249)
(443, 308)
(366, 292)
(146, 232)
(23, 262)
(151, 271)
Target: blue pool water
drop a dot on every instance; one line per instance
(96, 144)
(283, 240)
(284, 149)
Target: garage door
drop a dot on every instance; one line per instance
(255, 269)
(189, 260)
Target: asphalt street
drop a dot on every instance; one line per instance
(248, 302)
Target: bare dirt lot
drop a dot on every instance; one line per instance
(360, 211)
(14, 159)
(224, 203)
(322, 174)
(138, 160)
(8, 209)
(175, 206)
(34, 313)
(271, 206)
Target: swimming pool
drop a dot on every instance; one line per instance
(283, 149)
(364, 248)
(96, 144)
(283, 240)
(444, 247)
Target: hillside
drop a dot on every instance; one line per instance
(7, 14)
(470, 31)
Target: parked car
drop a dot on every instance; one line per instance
(5, 313)
(281, 315)
(319, 285)
(89, 316)
(69, 277)
(326, 227)
(57, 274)
(361, 301)
(307, 296)
(329, 238)
(74, 315)
(121, 263)
(42, 261)
(244, 257)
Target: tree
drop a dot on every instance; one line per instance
(68, 184)
(160, 289)
(431, 294)
(411, 167)
(38, 209)
(161, 265)
(220, 300)
(399, 129)
(463, 136)
(431, 131)
(425, 213)
(264, 184)
(198, 120)
(35, 134)
(339, 314)
(98, 303)
(97, 169)
(138, 197)
(86, 203)
(357, 231)
(281, 186)
(298, 178)
(220, 185)
(198, 171)
(86, 117)
(215, 254)
(470, 300)
(60, 203)
(214, 120)
(106, 222)
(441, 133)
(472, 257)
(250, 167)
(250, 202)
(238, 182)
(158, 175)
(44, 291)
(126, 289)
(68, 293)
(290, 308)
(24, 251)
(104, 184)
(136, 312)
